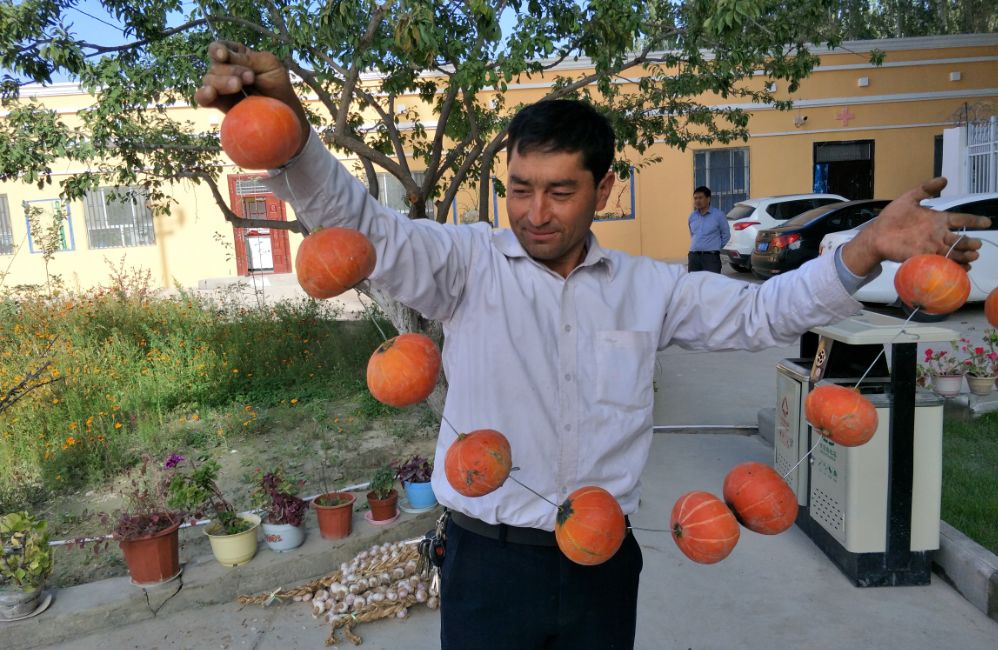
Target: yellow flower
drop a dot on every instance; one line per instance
(55, 400)
(117, 425)
(72, 426)
(235, 370)
(195, 417)
(294, 401)
(70, 441)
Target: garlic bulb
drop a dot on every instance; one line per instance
(432, 602)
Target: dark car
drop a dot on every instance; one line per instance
(796, 241)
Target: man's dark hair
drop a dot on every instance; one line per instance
(703, 189)
(564, 125)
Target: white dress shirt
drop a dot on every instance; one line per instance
(562, 366)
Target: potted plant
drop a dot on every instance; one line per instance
(25, 564)
(194, 490)
(415, 473)
(981, 363)
(945, 369)
(283, 511)
(146, 529)
(333, 510)
(382, 497)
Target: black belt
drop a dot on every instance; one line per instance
(505, 533)
(705, 252)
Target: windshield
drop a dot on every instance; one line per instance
(740, 212)
(805, 218)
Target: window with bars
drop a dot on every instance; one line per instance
(118, 217)
(6, 233)
(725, 172)
(49, 225)
(392, 194)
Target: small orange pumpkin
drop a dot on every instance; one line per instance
(332, 260)
(991, 307)
(841, 414)
(260, 133)
(760, 498)
(478, 463)
(403, 370)
(703, 527)
(932, 283)
(590, 526)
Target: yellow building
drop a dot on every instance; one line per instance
(857, 130)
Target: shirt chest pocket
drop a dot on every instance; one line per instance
(625, 360)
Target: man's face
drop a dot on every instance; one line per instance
(700, 201)
(551, 203)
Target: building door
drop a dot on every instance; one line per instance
(844, 168)
(258, 250)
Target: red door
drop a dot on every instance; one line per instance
(258, 250)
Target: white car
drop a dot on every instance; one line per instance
(746, 218)
(983, 272)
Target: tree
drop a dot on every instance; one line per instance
(445, 52)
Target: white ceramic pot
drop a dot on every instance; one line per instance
(947, 385)
(283, 537)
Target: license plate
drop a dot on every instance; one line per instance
(762, 246)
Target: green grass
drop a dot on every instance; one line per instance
(970, 478)
(136, 375)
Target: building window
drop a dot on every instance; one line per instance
(392, 194)
(725, 172)
(6, 233)
(117, 217)
(49, 224)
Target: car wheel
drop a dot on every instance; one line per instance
(920, 316)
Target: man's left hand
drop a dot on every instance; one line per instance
(906, 228)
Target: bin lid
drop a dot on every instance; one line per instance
(869, 327)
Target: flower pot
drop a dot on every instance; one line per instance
(419, 495)
(18, 603)
(382, 509)
(981, 385)
(335, 521)
(283, 537)
(947, 385)
(233, 550)
(154, 558)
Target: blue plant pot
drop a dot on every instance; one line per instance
(420, 495)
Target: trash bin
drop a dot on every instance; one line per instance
(873, 509)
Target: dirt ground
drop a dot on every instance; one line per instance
(353, 446)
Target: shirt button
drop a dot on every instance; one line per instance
(568, 328)
(568, 376)
(568, 427)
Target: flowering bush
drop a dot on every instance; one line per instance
(981, 361)
(943, 362)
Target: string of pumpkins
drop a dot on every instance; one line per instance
(263, 133)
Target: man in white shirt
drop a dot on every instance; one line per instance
(551, 339)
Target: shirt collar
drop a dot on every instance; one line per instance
(509, 245)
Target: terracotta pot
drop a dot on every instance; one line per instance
(155, 558)
(335, 521)
(382, 509)
(233, 550)
(981, 385)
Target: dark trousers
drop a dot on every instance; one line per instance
(500, 595)
(705, 261)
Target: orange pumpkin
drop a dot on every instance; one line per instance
(478, 463)
(703, 527)
(841, 414)
(260, 133)
(332, 260)
(760, 498)
(932, 283)
(403, 370)
(991, 307)
(590, 526)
